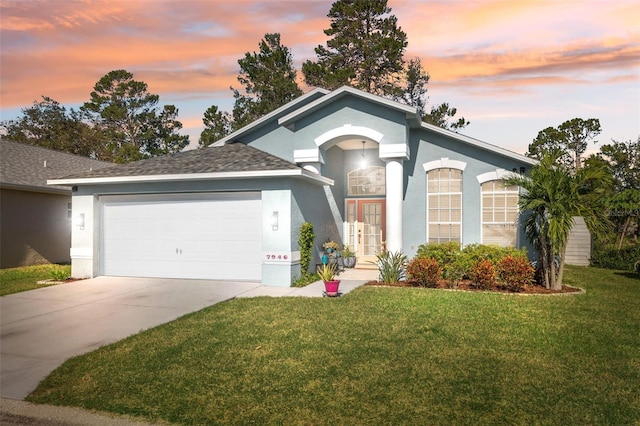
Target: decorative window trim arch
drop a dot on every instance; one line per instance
(444, 163)
(498, 174)
(349, 130)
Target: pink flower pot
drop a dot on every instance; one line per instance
(331, 287)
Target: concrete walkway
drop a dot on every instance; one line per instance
(40, 329)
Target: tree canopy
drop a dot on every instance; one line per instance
(50, 125)
(269, 81)
(127, 114)
(570, 138)
(121, 123)
(365, 49)
(624, 158)
(217, 125)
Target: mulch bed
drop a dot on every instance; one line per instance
(466, 285)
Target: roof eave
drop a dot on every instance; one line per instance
(33, 188)
(260, 174)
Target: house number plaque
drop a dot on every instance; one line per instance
(274, 257)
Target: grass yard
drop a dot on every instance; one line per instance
(379, 356)
(16, 280)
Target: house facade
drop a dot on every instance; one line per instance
(35, 218)
(366, 171)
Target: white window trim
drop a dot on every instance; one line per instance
(444, 193)
(482, 222)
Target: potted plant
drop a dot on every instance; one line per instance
(330, 255)
(348, 256)
(330, 246)
(328, 274)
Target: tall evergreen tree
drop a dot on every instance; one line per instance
(269, 81)
(365, 50)
(217, 125)
(127, 114)
(415, 91)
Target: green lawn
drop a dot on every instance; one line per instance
(15, 280)
(379, 356)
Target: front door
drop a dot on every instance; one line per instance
(365, 229)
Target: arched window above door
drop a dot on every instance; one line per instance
(370, 181)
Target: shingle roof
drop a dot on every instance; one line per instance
(233, 157)
(29, 167)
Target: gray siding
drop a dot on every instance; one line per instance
(579, 244)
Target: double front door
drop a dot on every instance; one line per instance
(365, 231)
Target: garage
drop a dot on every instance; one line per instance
(203, 236)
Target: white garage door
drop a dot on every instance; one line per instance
(213, 236)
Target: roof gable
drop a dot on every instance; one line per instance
(284, 109)
(478, 143)
(409, 111)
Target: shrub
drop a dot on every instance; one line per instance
(454, 272)
(611, 258)
(305, 242)
(483, 274)
(515, 272)
(444, 253)
(475, 252)
(306, 279)
(391, 266)
(60, 273)
(425, 271)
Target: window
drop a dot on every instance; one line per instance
(444, 205)
(370, 181)
(499, 213)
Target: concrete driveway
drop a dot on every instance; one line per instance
(42, 328)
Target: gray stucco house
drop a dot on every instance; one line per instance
(35, 218)
(363, 169)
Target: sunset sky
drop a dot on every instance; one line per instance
(511, 67)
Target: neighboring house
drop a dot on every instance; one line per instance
(363, 169)
(35, 218)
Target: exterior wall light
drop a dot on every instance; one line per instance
(363, 161)
(274, 221)
(80, 221)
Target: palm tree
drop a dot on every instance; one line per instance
(551, 197)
